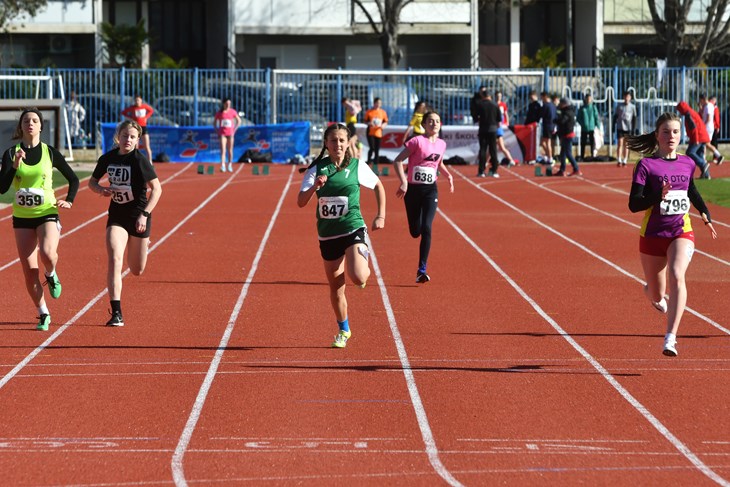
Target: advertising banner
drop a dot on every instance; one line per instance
(280, 141)
(461, 140)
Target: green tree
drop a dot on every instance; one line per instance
(14, 9)
(670, 19)
(545, 57)
(385, 28)
(124, 43)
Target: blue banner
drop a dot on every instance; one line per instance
(202, 144)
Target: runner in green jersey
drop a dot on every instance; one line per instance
(28, 167)
(336, 180)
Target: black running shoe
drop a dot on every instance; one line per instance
(422, 277)
(116, 319)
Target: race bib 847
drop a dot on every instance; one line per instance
(333, 207)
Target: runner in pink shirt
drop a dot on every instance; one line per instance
(226, 122)
(663, 189)
(425, 154)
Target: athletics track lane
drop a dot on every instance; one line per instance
(116, 400)
(592, 305)
(285, 408)
(465, 395)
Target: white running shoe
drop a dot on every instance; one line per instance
(230, 166)
(670, 346)
(223, 167)
(660, 305)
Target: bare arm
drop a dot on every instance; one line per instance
(97, 188)
(304, 196)
(398, 166)
(155, 194)
(379, 221)
(444, 169)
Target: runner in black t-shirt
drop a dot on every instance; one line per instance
(130, 220)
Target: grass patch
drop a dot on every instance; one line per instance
(716, 191)
(58, 180)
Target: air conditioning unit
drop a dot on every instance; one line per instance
(60, 44)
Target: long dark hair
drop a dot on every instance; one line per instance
(646, 143)
(18, 134)
(329, 130)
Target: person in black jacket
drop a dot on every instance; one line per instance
(565, 124)
(486, 113)
(533, 109)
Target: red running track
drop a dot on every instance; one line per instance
(531, 358)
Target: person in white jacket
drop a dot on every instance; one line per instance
(76, 114)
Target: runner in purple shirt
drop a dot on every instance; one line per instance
(663, 189)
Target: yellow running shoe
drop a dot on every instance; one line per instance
(341, 339)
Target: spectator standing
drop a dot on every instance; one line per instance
(565, 130)
(415, 126)
(352, 109)
(534, 109)
(707, 112)
(588, 120)
(140, 112)
(698, 137)
(226, 122)
(715, 139)
(487, 116)
(548, 114)
(503, 125)
(377, 119)
(625, 117)
(76, 114)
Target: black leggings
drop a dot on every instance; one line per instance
(373, 147)
(421, 203)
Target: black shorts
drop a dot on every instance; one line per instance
(335, 248)
(622, 133)
(144, 130)
(33, 223)
(129, 223)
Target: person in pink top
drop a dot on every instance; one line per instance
(663, 188)
(425, 154)
(226, 122)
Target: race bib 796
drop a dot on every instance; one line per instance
(676, 202)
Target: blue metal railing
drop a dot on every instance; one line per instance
(190, 96)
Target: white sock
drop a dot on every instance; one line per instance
(670, 337)
(49, 274)
(43, 310)
(717, 153)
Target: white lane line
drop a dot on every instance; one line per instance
(426, 433)
(21, 365)
(676, 442)
(97, 217)
(178, 472)
(585, 249)
(611, 215)
(626, 193)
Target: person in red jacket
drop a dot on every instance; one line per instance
(140, 112)
(698, 137)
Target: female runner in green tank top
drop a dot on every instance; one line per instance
(28, 167)
(336, 180)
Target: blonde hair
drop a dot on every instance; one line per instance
(127, 124)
